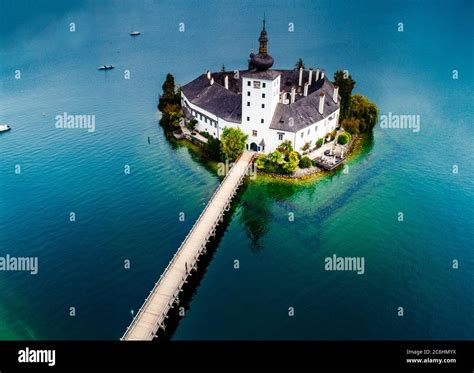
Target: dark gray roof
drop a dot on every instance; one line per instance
(227, 103)
(304, 111)
(267, 74)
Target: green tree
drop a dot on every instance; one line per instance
(169, 95)
(192, 124)
(299, 64)
(351, 125)
(292, 163)
(285, 148)
(213, 148)
(171, 115)
(346, 84)
(276, 157)
(365, 111)
(232, 143)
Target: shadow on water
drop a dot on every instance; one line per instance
(259, 200)
(256, 214)
(196, 153)
(191, 287)
(257, 203)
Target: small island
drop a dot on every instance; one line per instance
(297, 121)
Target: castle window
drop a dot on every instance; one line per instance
(254, 133)
(302, 134)
(248, 119)
(248, 103)
(309, 130)
(261, 120)
(249, 83)
(256, 84)
(263, 106)
(263, 95)
(248, 93)
(264, 85)
(280, 136)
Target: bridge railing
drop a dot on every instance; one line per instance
(173, 259)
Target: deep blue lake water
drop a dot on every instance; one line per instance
(136, 217)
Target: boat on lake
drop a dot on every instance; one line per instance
(4, 128)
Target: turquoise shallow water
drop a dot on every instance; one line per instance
(135, 216)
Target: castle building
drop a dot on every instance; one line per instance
(268, 105)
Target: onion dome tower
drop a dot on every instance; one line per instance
(262, 61)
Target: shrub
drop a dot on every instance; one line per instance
(292, 163)
(343, 138)
(319, 142)
(305, 162)
(285, 147)
(306, 146)
(260, 162)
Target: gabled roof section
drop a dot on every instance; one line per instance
(224, 103)
(304, 111)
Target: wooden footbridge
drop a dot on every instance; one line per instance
(152, 314)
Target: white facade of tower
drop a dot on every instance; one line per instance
(259, 100)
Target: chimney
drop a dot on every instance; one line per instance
(321, 103)
(226, 82)
(305, 92)
(322, 74)
(300, 80)
(317, 75)
(310, 75)
(293, 94)
(208, 75)
(212, 81)
(335, 93)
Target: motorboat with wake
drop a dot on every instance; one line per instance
(106, 67)
(4, 128)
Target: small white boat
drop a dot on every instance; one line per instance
(135, 33)
(4, 128)
(106, 67)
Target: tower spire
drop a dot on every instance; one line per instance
(263, 39)
(262, 61)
